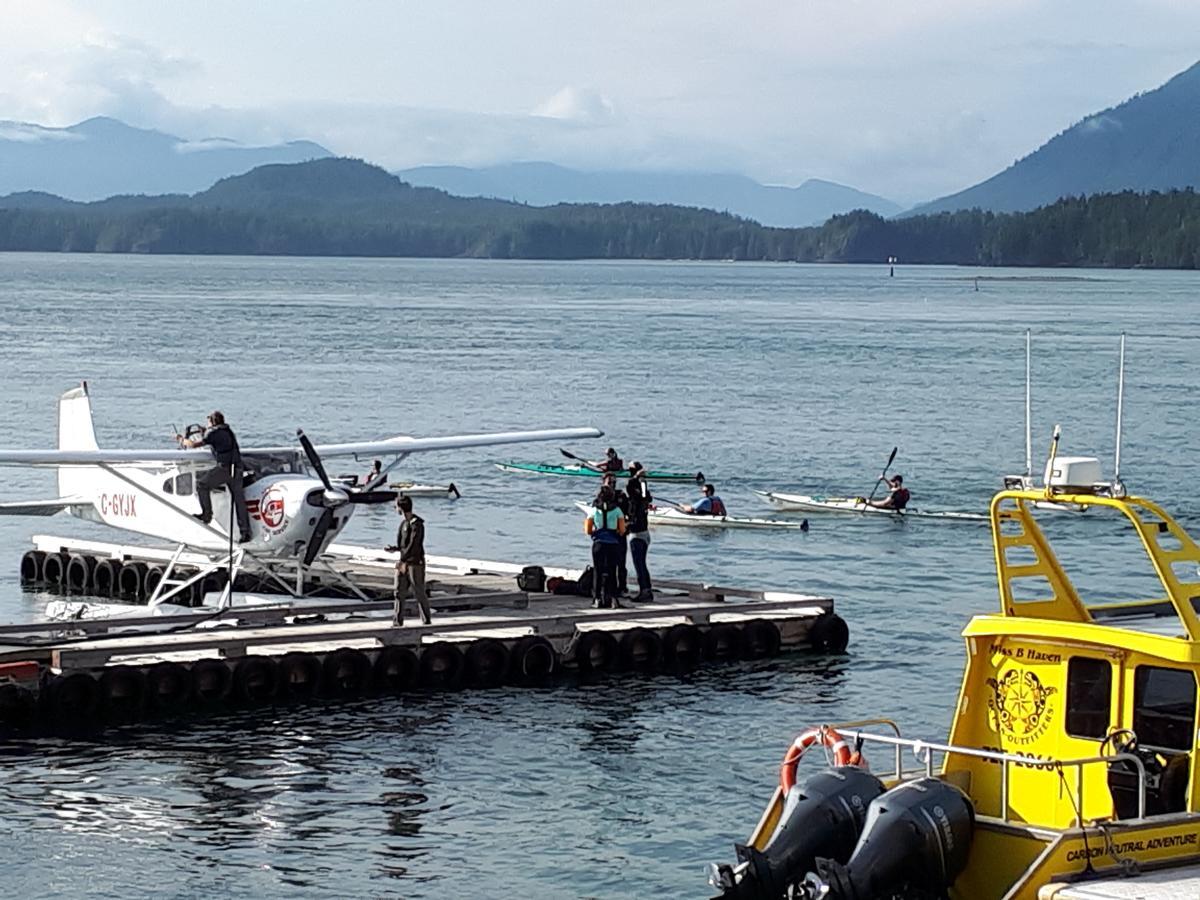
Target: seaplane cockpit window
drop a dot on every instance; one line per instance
(169, 486)
(1089, 697)
(184, 484)
(1164, 707)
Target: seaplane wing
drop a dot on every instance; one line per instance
(200, 457)
(42, 507)
(401, 444)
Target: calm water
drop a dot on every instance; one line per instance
(783, 377)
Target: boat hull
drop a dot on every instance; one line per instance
(852, 506)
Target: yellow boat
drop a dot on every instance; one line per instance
(1071, 765)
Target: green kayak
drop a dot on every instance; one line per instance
(576, 469)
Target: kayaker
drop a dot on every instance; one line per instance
(637, 489)
(897, 497)
(606, 526)
(376, 472)
(623, 552)
(708, 505)
(611, 462)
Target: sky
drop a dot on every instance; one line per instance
(908, 99)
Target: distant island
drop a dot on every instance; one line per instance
(344, 207)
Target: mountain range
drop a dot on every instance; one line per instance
(101, 157)
(544, 184)
(1147, 143)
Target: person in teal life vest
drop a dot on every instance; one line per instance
(708, 505)
(897, 497)
(606, 526)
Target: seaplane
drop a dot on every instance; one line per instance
(296, 511)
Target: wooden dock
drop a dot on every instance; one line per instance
(486, 633)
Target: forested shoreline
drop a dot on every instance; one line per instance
(362, 211)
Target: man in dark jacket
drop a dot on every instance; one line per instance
(640, 498)
(227, 472)
(410, 567)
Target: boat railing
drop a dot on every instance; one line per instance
(926, 751)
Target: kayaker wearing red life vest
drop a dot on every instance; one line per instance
(610, 463)
(897, 497)
(710, 504)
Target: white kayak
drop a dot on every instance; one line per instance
(806, 503)
(416, 489)
(665, 515)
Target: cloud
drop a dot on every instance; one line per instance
(574, 104)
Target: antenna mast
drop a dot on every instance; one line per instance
(1120, 410)
(1028, 411)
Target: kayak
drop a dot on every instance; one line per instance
(416, 489)
(665, 515)
(806, 503)
(577, 469)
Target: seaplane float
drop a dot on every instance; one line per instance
(1071, 770)
(296, 511)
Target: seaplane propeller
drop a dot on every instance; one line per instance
(332, 498)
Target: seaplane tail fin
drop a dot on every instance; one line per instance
(75, 432)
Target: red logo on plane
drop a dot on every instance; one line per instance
(270, 508)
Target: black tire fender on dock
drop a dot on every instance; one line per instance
(596, 651)
(79, 572)
(168, 688)
(829, 633)
(212, 680)
(130, 578)
(532, 661)
(150, 580)
(31, 566)
(54, 569)
(762, 638)
(724, 642)
(106, 577)
(16, 707)
(122, 693)
(682, 647)
(394, 671)
(299, 676)
(441, 666)
(487, 663)
(72, 698)
(345, 672)
(256, 679)
(641, 649)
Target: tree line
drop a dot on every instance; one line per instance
(1122, 230)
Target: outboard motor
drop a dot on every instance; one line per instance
(916, 839)
(822, 817)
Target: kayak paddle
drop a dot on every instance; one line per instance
(580, 459)
(883, 475)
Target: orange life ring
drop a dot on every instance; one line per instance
(827, 737)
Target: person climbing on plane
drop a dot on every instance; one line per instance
(708, 505)
(897, 497)
(219, 437)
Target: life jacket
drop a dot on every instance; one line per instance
(900, 498)
(717, 507)
(605, 524)
(613, 464)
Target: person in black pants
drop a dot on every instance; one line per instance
(639, 499)
(606, 526)
(623, 544)
(227, 472)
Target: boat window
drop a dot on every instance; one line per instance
(1164, 707)
(1089, 697)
